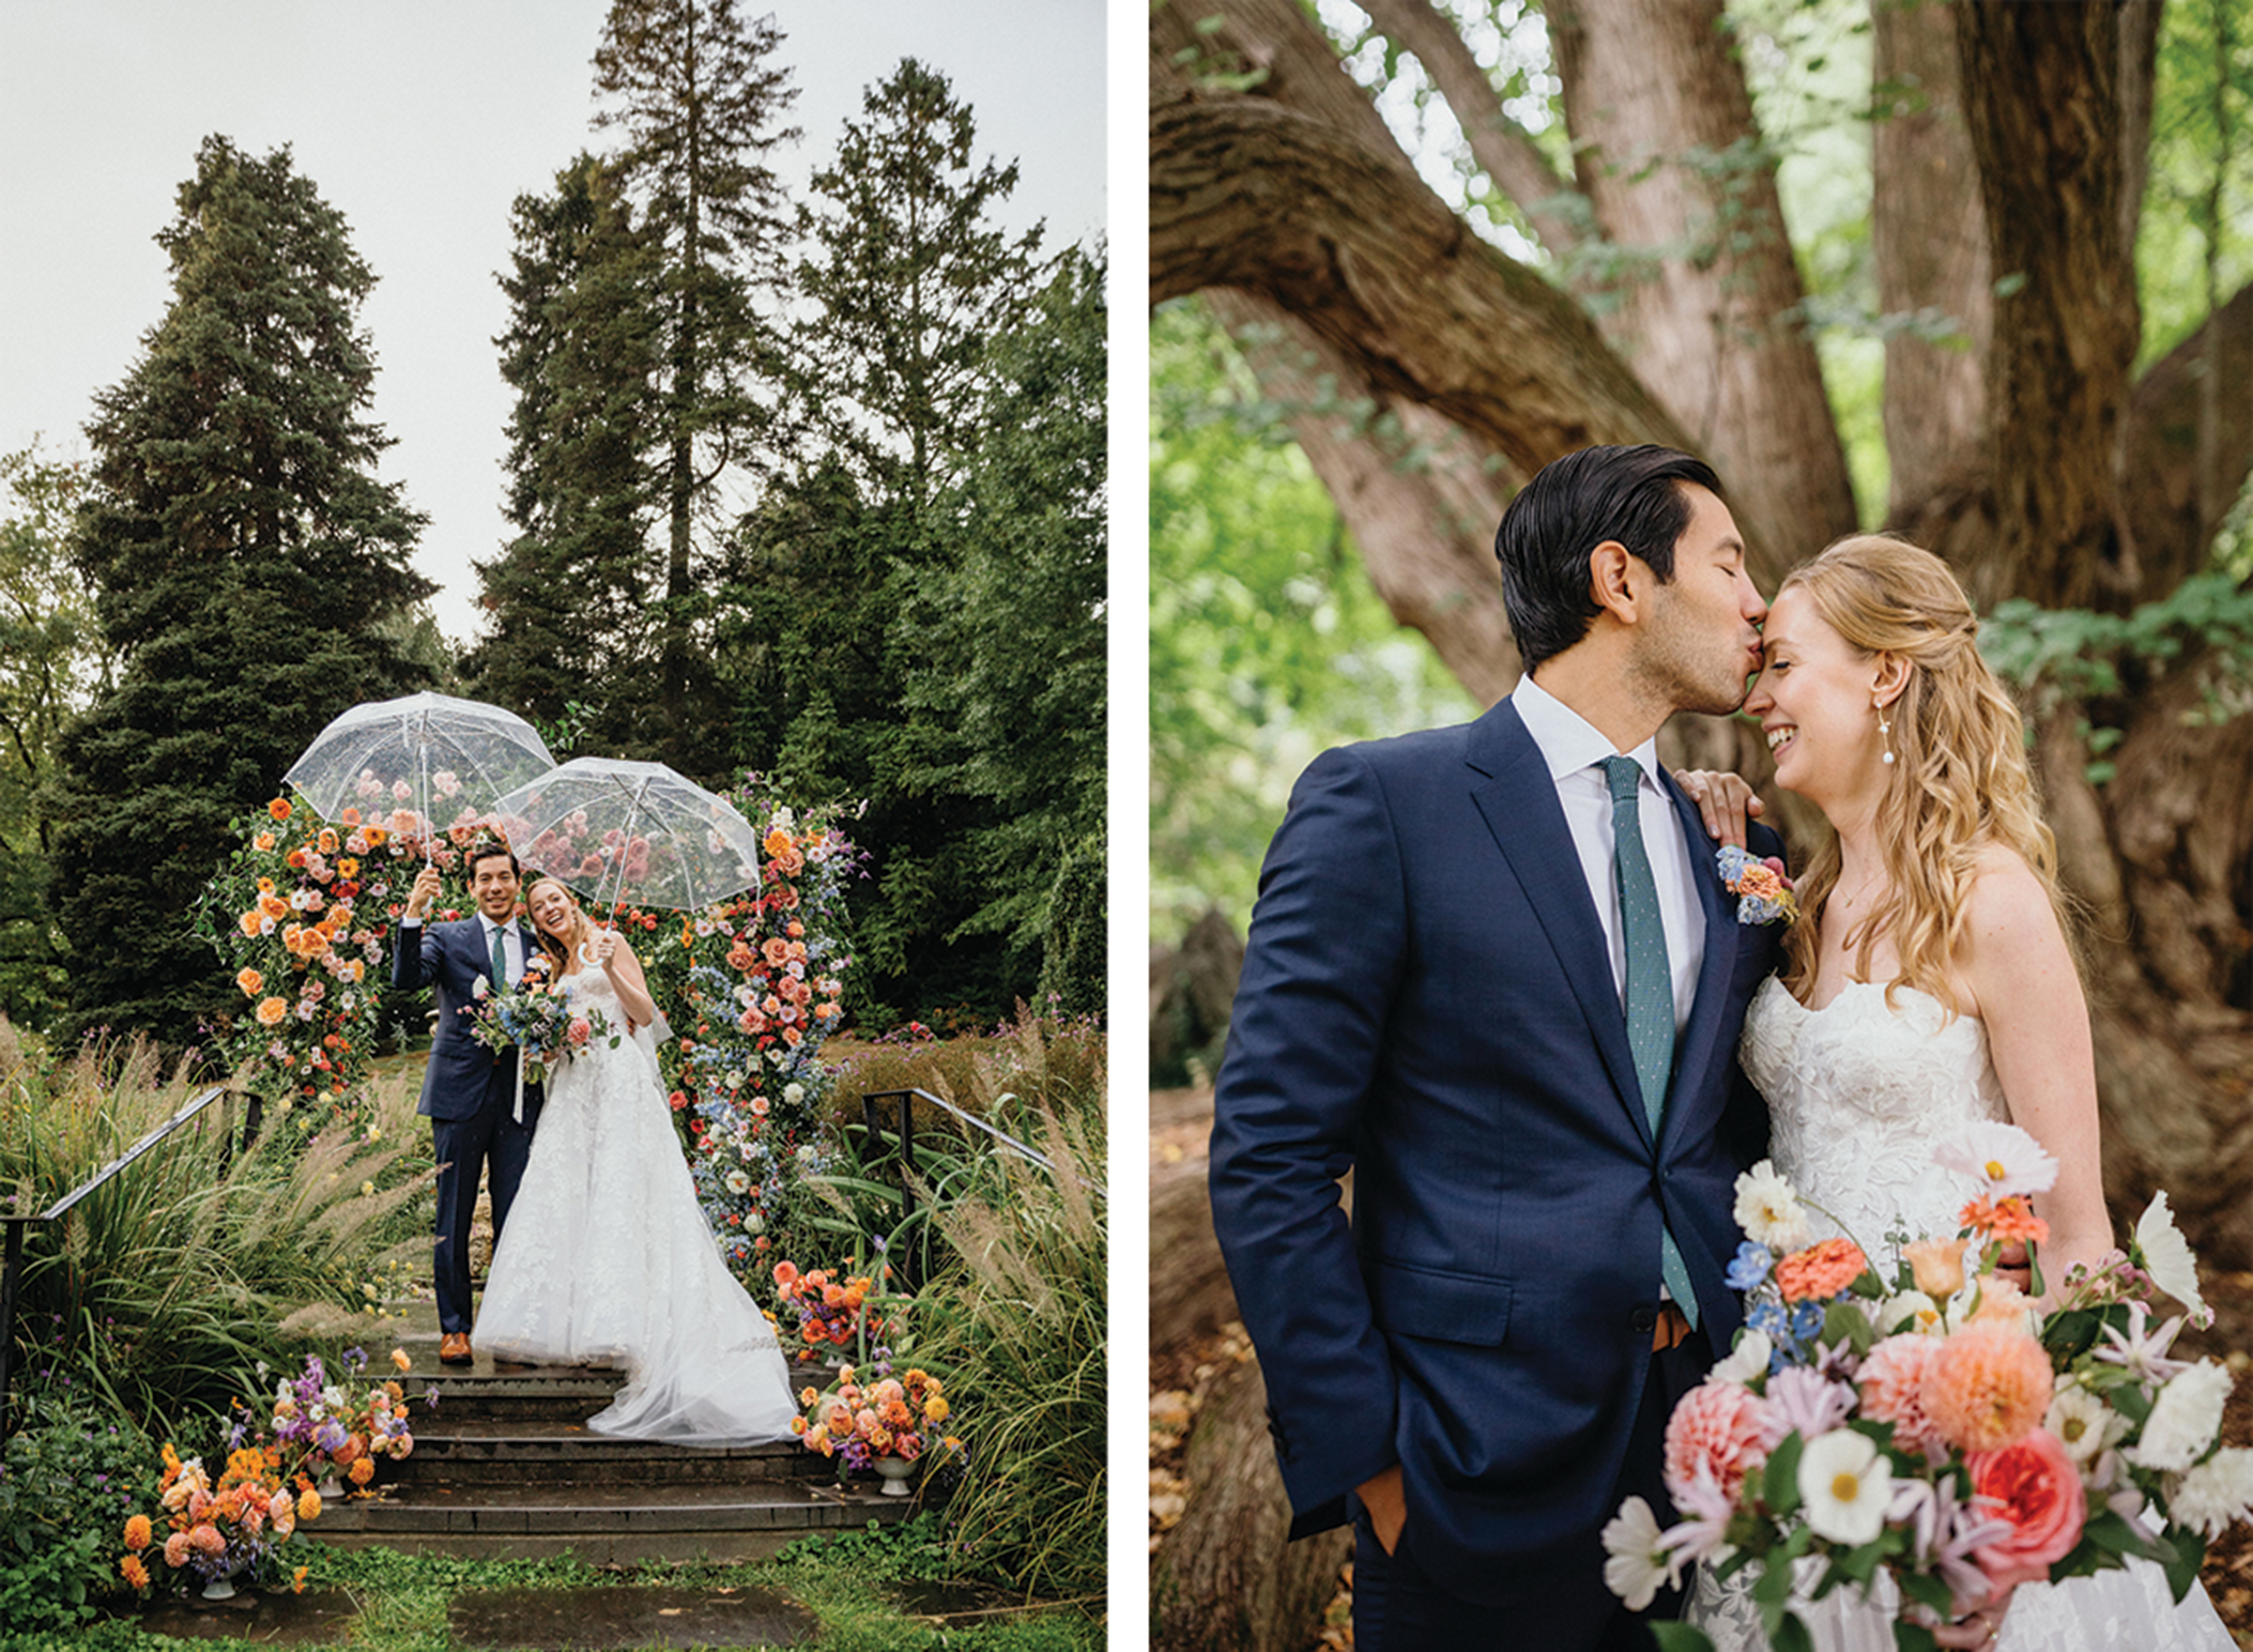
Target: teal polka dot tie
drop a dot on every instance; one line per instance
(1649, 986)
(500, 958)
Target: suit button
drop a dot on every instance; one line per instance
(1644, 1321)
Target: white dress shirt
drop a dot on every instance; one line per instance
(1573, 750)
(513, 947)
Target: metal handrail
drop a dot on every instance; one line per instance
(1011, 1143)
(12, 1272)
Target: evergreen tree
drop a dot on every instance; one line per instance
(52, 665)
(569, 595)
(912, 278)
(695, 93)
(248, 569)
(1005, 673)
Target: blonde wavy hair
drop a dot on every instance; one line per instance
(1959, 780)
(560, 951)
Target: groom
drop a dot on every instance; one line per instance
(469, 1091)
(1522, 1041)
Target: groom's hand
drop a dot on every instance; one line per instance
(419, 898)
(1388, 1508)
(1726, 801)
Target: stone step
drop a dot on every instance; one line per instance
(504, 1451)
(602, 1523)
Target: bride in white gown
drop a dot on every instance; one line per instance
(606, 1259)
(1930, 983)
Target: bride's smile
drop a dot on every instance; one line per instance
(1816, 698)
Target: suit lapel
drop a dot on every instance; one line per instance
(1695, 1052)
(1518, 800)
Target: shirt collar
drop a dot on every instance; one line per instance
(1569, 743)
(491, 926)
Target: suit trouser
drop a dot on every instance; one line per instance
(1399, 1607)
(488, 1142)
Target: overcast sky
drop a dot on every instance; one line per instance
(421, 120)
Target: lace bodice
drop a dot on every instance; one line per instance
(1859, 1093)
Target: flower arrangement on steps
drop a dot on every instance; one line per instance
(218, 1533)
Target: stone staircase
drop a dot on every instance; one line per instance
(504, 1467)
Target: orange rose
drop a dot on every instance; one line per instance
(272, 1010)
(279, 808)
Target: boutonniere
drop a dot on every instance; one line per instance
(1763, 893)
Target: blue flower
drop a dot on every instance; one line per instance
(1806, 1319)
(1751, 1267)
(1768, 1319)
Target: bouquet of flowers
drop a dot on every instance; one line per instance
(856, 1423)
(322, 1429)
(832, 1308)
(1925, 1420)
(533, 1017)
(216, 1532)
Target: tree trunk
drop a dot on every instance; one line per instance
(2042, 103)
(1711, 301)
(1227, 1579)
(1421, 499)
(1928, 240)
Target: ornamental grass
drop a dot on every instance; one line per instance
(162, 1290)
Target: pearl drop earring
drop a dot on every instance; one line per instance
(1885, 732)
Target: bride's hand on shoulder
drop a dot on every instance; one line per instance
(1726, 801)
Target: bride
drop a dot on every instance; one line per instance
(606, 1258)
(1928, 983)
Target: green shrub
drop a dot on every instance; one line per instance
(74, 1471)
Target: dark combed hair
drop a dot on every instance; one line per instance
(1571, 507)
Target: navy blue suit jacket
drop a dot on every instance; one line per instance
(1427, 1001)
(450, 958)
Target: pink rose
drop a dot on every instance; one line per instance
(581, 1030)
(2033, 1486)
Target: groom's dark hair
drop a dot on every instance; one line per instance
(1572, 506)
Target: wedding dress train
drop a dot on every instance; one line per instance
(1859, 1094)
(606, 1259)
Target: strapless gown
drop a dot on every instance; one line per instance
(607, 1260)
(1859, 1094)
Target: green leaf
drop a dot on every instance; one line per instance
(1926, 1590)
(1780, 1480)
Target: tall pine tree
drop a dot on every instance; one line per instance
(693, 89)
(912, 278)
(569, 596)
(248, 569)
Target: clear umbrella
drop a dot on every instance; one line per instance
(426, 749)
(615, 831)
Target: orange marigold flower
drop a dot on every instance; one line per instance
(279, 808)
(1988, 1385)
(137, 1533)
(309, 1504)
(376, 836)
(362, 1472)
(296, 1581)
(1822, 1270)
(133, 1572)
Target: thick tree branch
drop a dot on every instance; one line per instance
(2171, 520)
(1500, 145)
(1247, 194)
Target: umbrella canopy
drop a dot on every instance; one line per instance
(618, 831)
(427, 752)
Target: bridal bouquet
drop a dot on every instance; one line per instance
(1924, 1419)
(533, 1017)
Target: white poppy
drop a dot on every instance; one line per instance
(2185, 1418)
(2167, 1256)
(1634, 1566)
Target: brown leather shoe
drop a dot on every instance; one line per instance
(454, 1349)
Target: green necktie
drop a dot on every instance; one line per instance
(1649, 987)
(500, 956)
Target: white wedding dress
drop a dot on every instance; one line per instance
(1857, 1096)
(606, 1259)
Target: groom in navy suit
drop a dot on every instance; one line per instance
(1494, 972)
(469, 1091)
